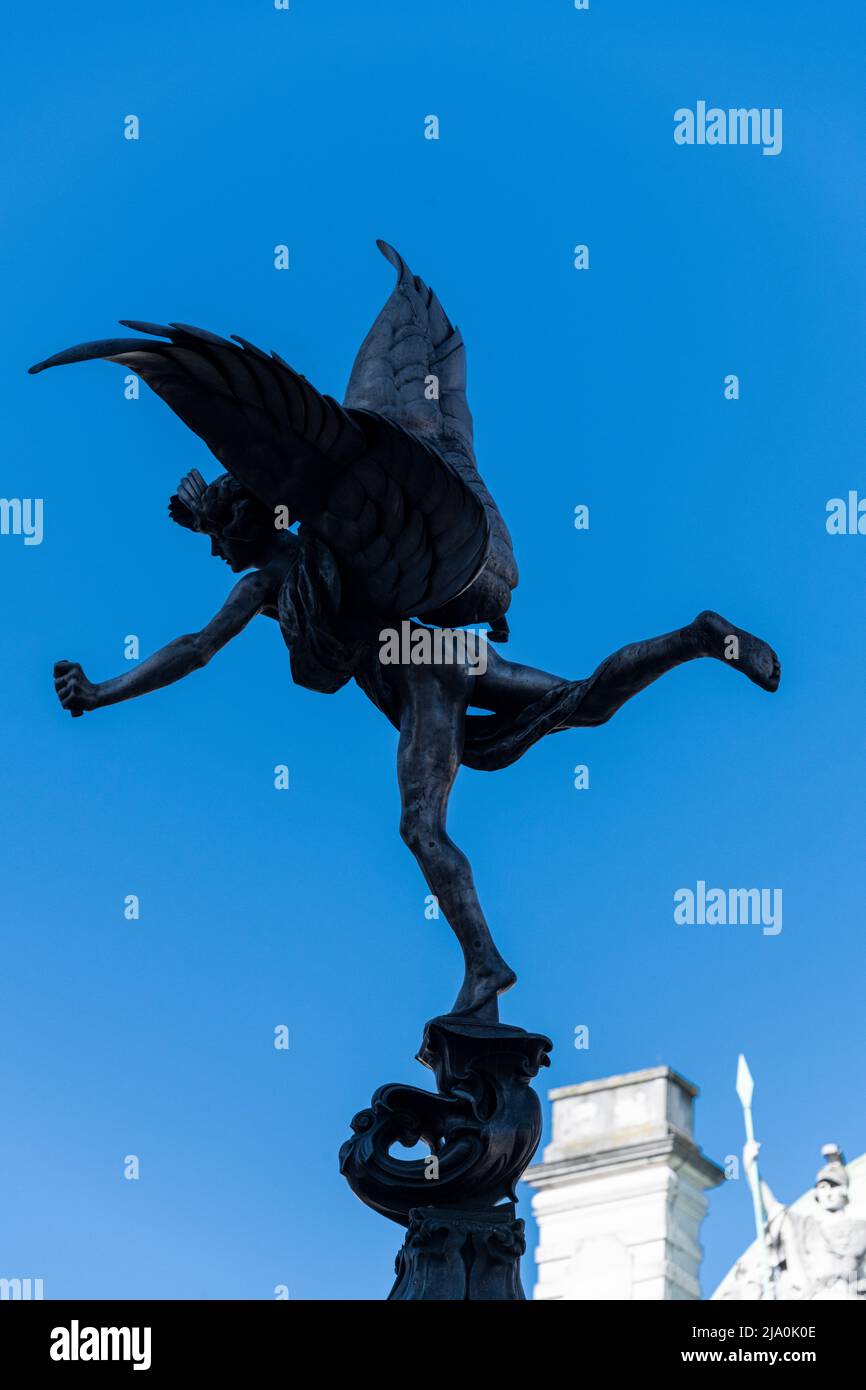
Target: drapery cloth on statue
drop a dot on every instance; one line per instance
(327, 651)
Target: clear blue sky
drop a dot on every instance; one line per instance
(303, 907)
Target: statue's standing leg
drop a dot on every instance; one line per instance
(434, 702)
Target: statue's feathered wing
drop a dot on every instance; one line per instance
(411, 368)
(382, 480)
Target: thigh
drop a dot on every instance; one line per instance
(432, 721)
(507, 687)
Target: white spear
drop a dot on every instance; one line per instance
(745, 1091)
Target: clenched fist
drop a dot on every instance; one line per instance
(74, 691)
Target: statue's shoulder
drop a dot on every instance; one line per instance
(271, 577)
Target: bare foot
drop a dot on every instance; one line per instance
(482, 986)
(740, 649)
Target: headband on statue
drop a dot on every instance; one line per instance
(187, 504)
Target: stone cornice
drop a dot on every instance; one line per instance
(673, 1149)
(626, 1078)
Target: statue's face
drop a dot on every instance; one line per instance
(237, 527)
(831, 1196)
(238, 554)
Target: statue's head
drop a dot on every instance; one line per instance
(240, 527)
(831, 1181)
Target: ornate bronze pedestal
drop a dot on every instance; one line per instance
(463, 1240)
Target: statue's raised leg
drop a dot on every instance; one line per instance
(508, 688)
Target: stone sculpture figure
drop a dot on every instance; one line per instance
(817, 1251)
(395, 525)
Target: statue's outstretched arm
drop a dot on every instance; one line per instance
(172, 662)
(772, 1206)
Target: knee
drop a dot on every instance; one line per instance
(424, 837)
(412, 831)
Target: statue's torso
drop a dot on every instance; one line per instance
(829, 1255)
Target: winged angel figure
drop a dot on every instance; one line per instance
(394, 525)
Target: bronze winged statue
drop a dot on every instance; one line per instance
(394, 526)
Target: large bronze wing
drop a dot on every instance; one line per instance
(411, 368)
(408, 533)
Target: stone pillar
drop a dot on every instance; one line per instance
(620, 1193)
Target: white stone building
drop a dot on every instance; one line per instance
(619, 1201)
(620, 1192)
